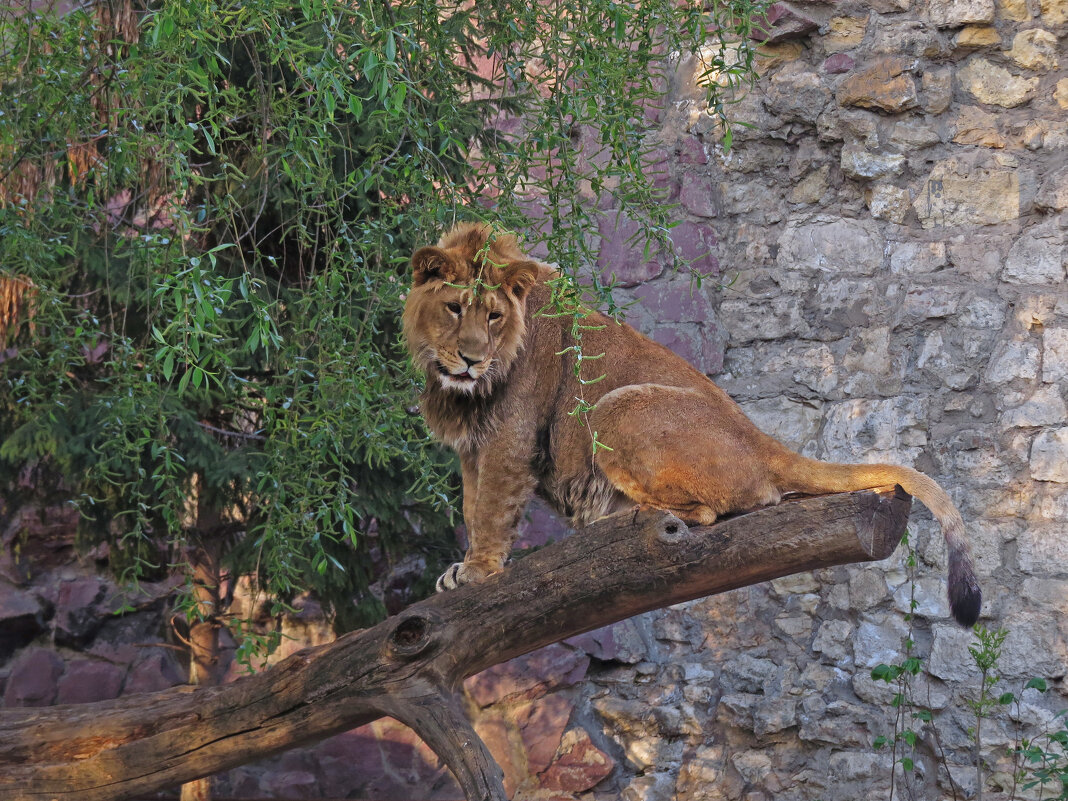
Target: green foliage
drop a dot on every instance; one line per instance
(214, 206)
(913, 720)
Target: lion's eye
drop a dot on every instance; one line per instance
(494, 316)
(454, 307)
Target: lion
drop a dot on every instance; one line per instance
(500, 386)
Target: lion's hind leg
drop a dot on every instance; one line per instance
(653, 431)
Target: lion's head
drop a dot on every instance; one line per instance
(464, 319)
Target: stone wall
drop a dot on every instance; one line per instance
(888, 249)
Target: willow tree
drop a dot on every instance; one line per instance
(205, 216)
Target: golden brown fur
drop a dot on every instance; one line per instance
(499, 392)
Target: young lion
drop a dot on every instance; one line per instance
(499, 392)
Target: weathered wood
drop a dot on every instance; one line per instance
(410, 665)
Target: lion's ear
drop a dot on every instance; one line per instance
(429, 263)
(519, 278)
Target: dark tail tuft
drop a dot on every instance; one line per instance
(965, 597)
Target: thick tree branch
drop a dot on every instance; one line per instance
(410, 665)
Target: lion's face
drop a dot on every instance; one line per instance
(464, 319)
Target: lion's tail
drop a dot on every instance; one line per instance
(795, 473)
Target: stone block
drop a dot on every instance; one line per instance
(1053, 194)
(697, 195)
(1045, 407)
(1060, 93)
(834, 246)
(749, 319)
(157, 671)
(973, 126)
(1055, 355)
(619, 642)
(1013, 359)
(22, 617)
(87, 680)
(1035, 49)
(937, 89)
(877, 430)
(978, 36)
(783, 22)
(885, 84)
(79, 611)
(1038, 256)
(34, 678)
(844, 33)
(930, 302)
(838, 63)
(812, 187)
(990, 83)
(621, 255)
(954, 13)
(913, 135)
(889, 202)
(915, 258)
(961, 193)
(541, 727)
(579, 767)
(1049, 456)
(833, 641)
(796, 93)
(793, 423)
(1015, 10)
(949, 658)
(1054, 12)
(1044, 550)
(857, 162)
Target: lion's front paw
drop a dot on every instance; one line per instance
(457, 575)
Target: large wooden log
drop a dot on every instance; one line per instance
(410, 666)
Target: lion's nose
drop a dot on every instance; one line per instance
(469, 361)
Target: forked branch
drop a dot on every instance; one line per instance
(410, 666)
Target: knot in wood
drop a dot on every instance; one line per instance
(672, 531)
(411, 635)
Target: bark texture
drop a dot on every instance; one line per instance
(410, 666)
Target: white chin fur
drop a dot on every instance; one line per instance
(458, 384)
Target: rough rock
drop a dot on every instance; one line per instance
(886, 84)
(620, 255)
(1049, 456)
(797, 93)
(580, 765)
(34, 677)
(1035, 49)
(917, 257)
(978, 36)
(79, 610)
(22, 617)
(1013, 359)
(844, 245)
(783, 22)
(974, 126)
(1038, 256)
(889, 202)
(952, 13)
(1045, 407)
(1055, 355)
(859, 163)
(960, 193)
(992, 84)
(844, 33)
(1053, 194)
(87, 680)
